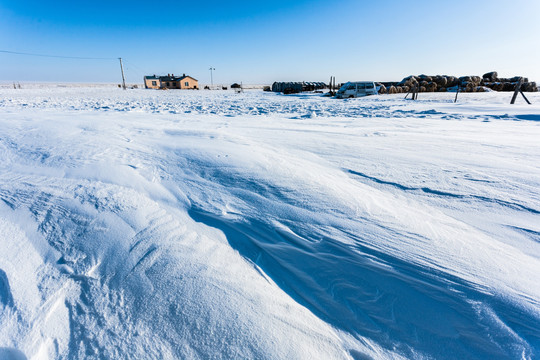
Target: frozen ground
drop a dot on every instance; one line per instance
(151, 224)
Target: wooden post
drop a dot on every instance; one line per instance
(527, 100)
(408, 92)
(413, 93)
(516, 91)
(457, 92)
(123, 79)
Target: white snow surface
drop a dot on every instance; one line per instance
(147, 224)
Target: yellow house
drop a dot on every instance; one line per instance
(170, 82)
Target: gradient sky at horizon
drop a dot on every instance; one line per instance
(259, 42)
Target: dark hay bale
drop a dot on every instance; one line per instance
(529, 87)
(508, 86)
(425, 78)
(464, 80)
(470, 87)
(451, 81)
(440, 80)
(498, 86)
(490, 76)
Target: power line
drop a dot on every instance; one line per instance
(131, 66)
(72, 57)
(56, 56)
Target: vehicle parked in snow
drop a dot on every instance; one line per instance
(356, 89)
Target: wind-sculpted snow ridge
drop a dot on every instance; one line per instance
(147, 224)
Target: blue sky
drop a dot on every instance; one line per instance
(264, 41)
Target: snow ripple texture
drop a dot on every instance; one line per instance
(213, 225)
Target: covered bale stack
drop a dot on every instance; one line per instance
(441, 83)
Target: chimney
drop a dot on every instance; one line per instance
(184, 75)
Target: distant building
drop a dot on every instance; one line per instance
(170, 81)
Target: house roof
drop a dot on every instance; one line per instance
(151, 77)
(169, 78)
(175, 78)
(187, 76)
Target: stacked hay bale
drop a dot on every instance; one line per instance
(492, 81)
(442, 83)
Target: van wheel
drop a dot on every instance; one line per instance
(351, 96)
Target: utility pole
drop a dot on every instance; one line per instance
(211, 76)
(123, 79)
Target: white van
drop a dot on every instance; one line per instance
(356, 89)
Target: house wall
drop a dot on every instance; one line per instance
(148, 83)
(191, 83)
(167, 84)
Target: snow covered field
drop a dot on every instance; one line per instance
(212, 225)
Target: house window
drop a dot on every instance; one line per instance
(167, 84)
(154, 83)
(186, 83)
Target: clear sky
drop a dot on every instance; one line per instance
(260, 42)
